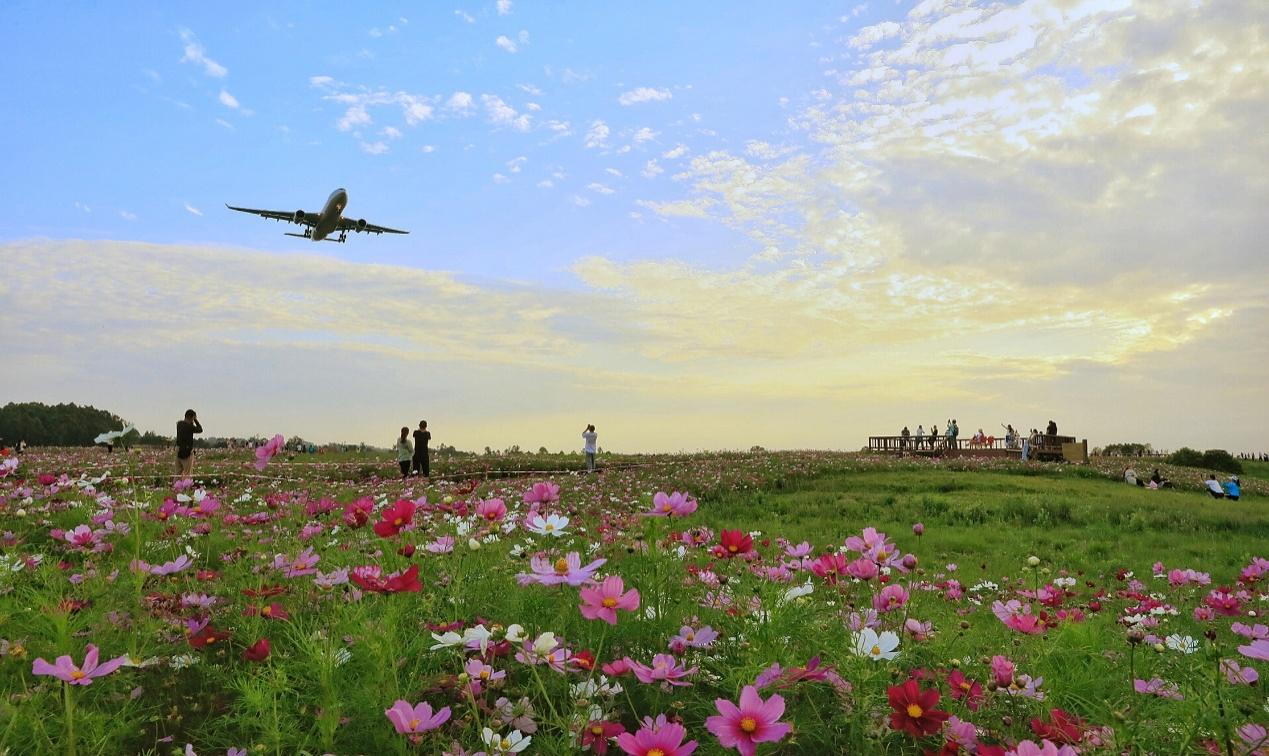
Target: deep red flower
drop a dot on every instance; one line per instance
(259, 651)
(914, 711)
(206, 637)
(406, 582)
(596, 735)
(1063, 728)
(735, 543)
(395, 517)
(963, 687)
(265, 592)
(583, 659)
(269, 611)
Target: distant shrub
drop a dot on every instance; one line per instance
(1186, 457)
(1219, 459)
(1128, 449)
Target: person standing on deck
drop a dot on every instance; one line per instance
(904, 435)
(588, 440)
(920, 436)
(421, 462)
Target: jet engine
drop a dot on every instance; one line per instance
(299, 216)
(361, 224)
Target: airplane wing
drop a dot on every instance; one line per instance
(301, 217)
(351, 224)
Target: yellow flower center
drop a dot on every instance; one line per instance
(748, 724)
(609, 602)
(876, 651)
(665, 507)
(561, 565)
(548, 527)
(597, 730)
(78, 675)
(915, 711)
(881, 556)
(965, 686)
(505, 744)
(267, 611)
(398, 521)
(691, 636)
(655, 752)
(211, 639)
(484, 674)
(732, 549)
(414, 724)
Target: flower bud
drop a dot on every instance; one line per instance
(1033, 560)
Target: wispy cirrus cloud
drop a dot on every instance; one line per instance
(196, 54)
(644, 94)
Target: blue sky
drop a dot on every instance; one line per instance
(116, 118)
(696, 225)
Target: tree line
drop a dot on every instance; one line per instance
(57, 424)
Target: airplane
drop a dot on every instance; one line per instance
(318, 226)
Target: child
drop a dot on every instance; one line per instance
(405, 452)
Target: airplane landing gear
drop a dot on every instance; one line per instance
(343, 237)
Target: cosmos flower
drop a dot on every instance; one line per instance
(67, 671)
(666, 740)
(753, 721)
(542, 493)
(914, 711)
(604, 601)
(671, 505)
(876, 647)
(268, 450)
(552, 525)
(564, 570)
(414, 719)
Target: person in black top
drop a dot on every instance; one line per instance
(421, 462)
(185, 430)
(1051, 430)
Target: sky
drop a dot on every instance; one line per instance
(695, 225)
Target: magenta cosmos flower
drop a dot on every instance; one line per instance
(671, 505)
(491, 510)
(268, 451)
(604, 601)
(666, 740)
(542, 493)
(665, 668)
(64, 669)
(417, 718)
(754, 721)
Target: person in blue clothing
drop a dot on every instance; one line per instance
(1232, 489)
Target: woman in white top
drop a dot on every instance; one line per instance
(405, 452)
(588, 437)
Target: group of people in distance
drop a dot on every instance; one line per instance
(950, 438)
(1232, 488)
(413, 457)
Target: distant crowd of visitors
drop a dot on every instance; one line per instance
(950, 438)
(1230, 489)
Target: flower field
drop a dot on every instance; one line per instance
(754, 603)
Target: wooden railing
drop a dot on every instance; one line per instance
(898, 444)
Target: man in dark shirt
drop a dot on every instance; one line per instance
(421, 462)
(185, 430)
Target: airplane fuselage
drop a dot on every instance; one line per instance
(328, 221)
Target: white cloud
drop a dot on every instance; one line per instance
(561, 128)
(504, 7)
(597, 136)
(530, 89)
(644, 94)
(353, 117)
(321, 81)
(194, 53)
(374, 148)
(599, 188)
(614, 172)
(228, 100)
(498, 178)
(391, 132)
(546, 184)
(127, 215)
(427, 148)
(83, 207)
(502, 114)
(515, 164)
(226, 124)
(580, 201)
(676, 153)
(651, 169)
(465, 16)
(506, 43)
(192, 210)
(645, 134)
(871, 35)
(460, 102)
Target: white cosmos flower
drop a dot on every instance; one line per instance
(479, 636)
(876, 647)
(798, 591)
(515, 633)
(512, 742)
(1183, 643)
(552, 525)
(545, 644)
(446, 640)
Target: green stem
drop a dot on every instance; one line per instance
(69, 703)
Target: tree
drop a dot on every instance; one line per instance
(56, 425)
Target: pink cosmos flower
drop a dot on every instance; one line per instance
(667, 740)
(65, 670)
(671, 505)
(665, 668)
(830, 567)
(604, 601)
(1237, 674)
(690, 637)
(304, 563)
(863, 569)
(753, 721)
(565, 570)
(417, 718)
(1223, 602)
(542, 493)
(482, 674)
(442, 545)
(1251, 632)
(491, 510)
(890, 598)
(1044, 748)
(1257, 649)
(1002, 669)
(81, 537)
(268, 450)
(1157, 687)
(799, 551)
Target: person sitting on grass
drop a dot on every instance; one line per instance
(1130, 477)
(1158, 481)
(1214, 487)
(1232, 489)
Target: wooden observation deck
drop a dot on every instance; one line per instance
(1050, 448)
